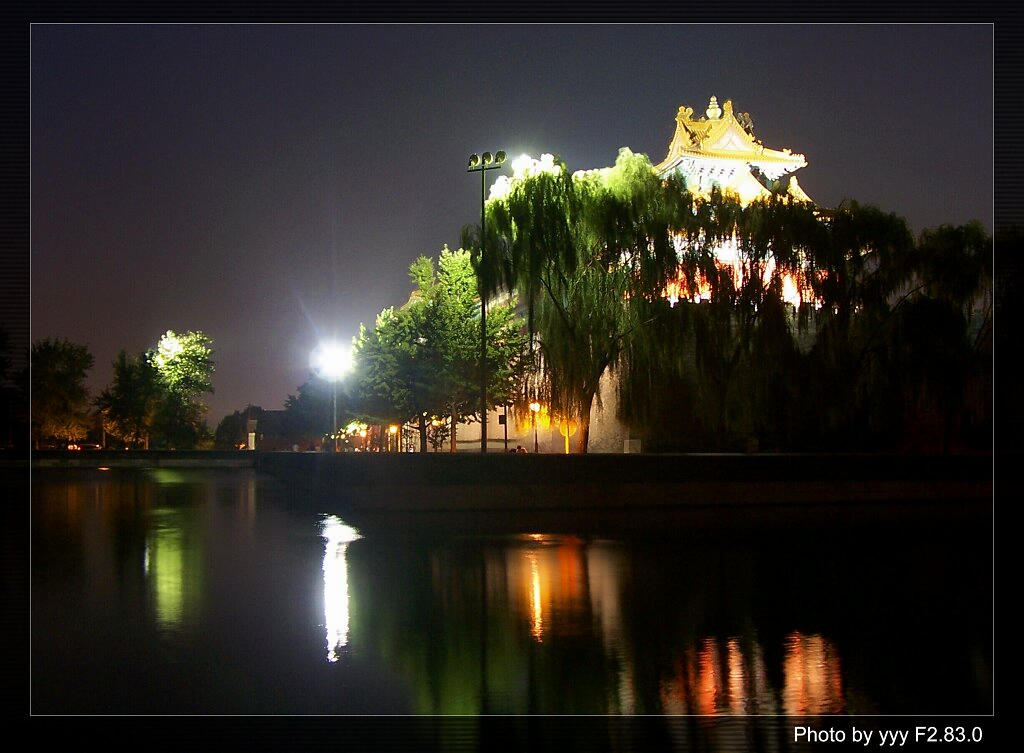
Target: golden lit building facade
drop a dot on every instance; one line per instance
(718, 150)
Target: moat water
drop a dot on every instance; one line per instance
(223, 592)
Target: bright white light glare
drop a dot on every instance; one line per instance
(331, 360)
(168, 349)
(356, 427)
(336, 599)
(790, 292)
(523, 167)
(337, 532)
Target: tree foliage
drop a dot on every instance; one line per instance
(60, 400)
(184, 363)
(309, 412)
(154, 396)
(129, 405)
(886, 335)
(590, 255)
(874, 353)
(422, 360)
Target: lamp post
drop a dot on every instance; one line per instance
(481, 164)
(535, 409)
(331, 361)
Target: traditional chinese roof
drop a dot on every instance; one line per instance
(719, 148)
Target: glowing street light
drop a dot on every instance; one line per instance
(535, 409)
(331, 362)
(481, 164)
(567, 428)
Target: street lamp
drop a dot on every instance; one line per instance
(331, 361)
(481, 164)
(535, 409)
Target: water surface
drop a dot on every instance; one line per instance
(223, 592)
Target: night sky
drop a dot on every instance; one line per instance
(270, 185)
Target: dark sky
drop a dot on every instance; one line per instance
(270, 185)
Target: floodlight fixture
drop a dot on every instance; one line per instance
(332, 361)
(482, 164)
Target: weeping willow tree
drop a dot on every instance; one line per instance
(589, 254)
(593, 256)
(773, 323)
(781, 333)
(859, 266)
(942, 337)
(717, 369)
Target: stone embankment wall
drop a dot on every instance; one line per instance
(414, 482)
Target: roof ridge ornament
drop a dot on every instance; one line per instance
(746, 123)
(714, 112)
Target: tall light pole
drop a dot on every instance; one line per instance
(481, 164)
(331, 361)
(535, 409)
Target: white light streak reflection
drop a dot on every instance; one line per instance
(337, 536)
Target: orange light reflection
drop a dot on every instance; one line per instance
(814, 683)
(536, 606)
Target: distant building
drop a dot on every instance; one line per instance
(270, 427)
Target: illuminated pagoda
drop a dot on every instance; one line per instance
(720, 149)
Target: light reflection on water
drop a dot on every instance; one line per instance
(814, 680)
(337, 536)
(205, 592)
